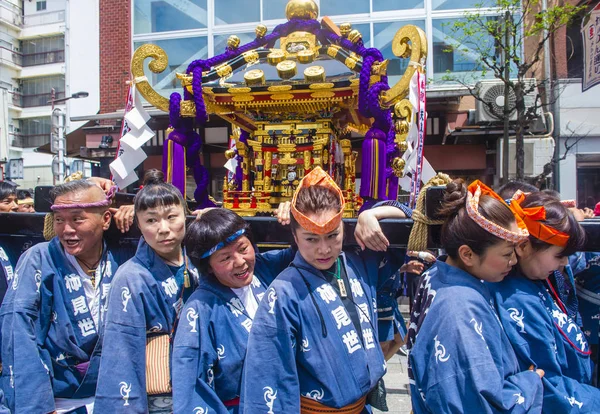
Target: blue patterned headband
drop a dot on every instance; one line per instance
(222, 244)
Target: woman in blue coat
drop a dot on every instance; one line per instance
(535, 318)
(145, 300)
(313, 345)
(210, 345)
(460, 359)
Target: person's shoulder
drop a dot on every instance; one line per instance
(132, 271)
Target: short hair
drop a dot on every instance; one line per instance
(23, 194)
(156, 192)
(511, 187)
(6, 190)
(212, 228)
(71, 187)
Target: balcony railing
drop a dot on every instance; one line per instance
(41, 99)
(44, 18)
(29, 140)
(17, 99)
(8, 55)
(11, 13)
(43, 58)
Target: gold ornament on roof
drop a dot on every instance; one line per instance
(306, 56)
(233, 42)
(254, 77)
(261, 30)
(276, 56)
(286, 69)
(354, 36)
(301, 9)
(345, 29)
(314, 74)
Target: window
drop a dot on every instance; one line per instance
(460, 5)
(340, 7)
(221, 41)
(236, 11)
(154, 16)
(390, 5)
(38, 91)
(44, 50)
(274, 9)
(35, 132)
(181, 53)
(40, 5)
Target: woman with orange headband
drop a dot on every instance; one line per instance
(313, 344)
(460, 359)
(535, 319)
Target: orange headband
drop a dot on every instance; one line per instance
(532, 217)
(321, 178)
(476, 190)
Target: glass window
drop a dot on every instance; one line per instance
(387, 5)
(237, 11)
(43, 44)
(221, 41)
(40, 5)
(274, 9)
(338, 7)
(181, 53)
(460, 4)
(152, 16)
(383, 34)
(451, 57)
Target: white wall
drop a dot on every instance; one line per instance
(82, 45)
(29, 6)
(579, 111)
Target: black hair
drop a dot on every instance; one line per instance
(558, 217)
(315, 199)
(212, 228)
(157, 193)
(23, 194)
(70, 187)
(6, 190)
(511, 187)
(459, 229)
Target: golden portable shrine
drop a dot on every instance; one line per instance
(293, 107)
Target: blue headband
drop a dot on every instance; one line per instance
(222, 244)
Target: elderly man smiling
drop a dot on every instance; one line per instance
(53, 311)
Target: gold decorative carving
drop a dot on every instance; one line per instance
(282, 97)
(159, 63)
(351, 62)
(276, 56)
(243, 98)
(280, 88)
(345, 29)
(322, 94)
(398, 165)
(234, 91)
(233, 41)
(314, 74)
(251, 56)
(287, 69)
(302, 9)
(261, 30)
(354, 36)
(188, 108)
(296, 42)
(223, 70)
(321, 86)
(408, 41)
(255, 77)
(333, 50)
(380, 68)
(306, 56)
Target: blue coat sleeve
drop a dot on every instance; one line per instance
(122, 378)
(23, 374)
(536, 345)
(194, 356)
(466, 367)
(273, 335)
(269, 264)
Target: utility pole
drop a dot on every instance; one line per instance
(505, 154)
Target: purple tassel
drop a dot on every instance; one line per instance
(373, 181)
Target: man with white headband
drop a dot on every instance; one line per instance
(52, 314)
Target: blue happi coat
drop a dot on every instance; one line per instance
(543, 335)
(460, 359)
(303, 341)
(49, 339)
(145, 298)
(210, 345)
(6, 272)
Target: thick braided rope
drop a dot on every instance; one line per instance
(49, 226)
(420, 230)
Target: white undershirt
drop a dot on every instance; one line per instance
(248, 300)
(92, 293)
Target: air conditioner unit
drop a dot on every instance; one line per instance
(538, 152)
(490, 108)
